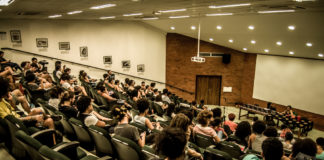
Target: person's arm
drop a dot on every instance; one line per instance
(195, 154)
(251, 139)
(141, 140)
(100, 123)
(105, 95)
(149, 124)
(216, 139)
(100, 116)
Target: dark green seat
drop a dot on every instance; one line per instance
(203, 141)
(141, 127)
(82, 134)
(67, 127)
(102, 141)
(127, 149)
(158, 109)
(31, 145)
(51, 154)
(212, 154)
(230, 148)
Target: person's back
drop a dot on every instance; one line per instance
(140, 119)
(127, 131)
(257, 138)
(272, 149)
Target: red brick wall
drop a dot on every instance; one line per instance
(239, 74)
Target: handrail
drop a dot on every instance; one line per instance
(35, 54)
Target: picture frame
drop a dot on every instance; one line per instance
(64, 45)
(141, 68)
(107, 59)
(15, 36)
(126, 64)
(84, 51)
(42, 42)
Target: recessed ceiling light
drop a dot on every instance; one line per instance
(74, 12)
(55, 16)
(6, 2)
(179, 16)
(279, 43)
(132, 14)
(219, 27)
(108, 17)
(173, 10)
(266, 50)
(150, 18)
(291, 52)
(211, 39)
(308, 44)
(253, 41)
(276, 11)
(231, 5)
(320, 55)
(172, 28)
(219, 14)
(251, 27)
(103, 6)
(193, 27)
(245, 49)
(231, 40)
(0, 10)
(291, 27)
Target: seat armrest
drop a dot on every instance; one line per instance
(67, 145)
(105, 158)
(43, 133)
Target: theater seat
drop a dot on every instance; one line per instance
(102, 140)
(67, 127)
(203, 141)
(51, 154)
(141, 127)
(230, 148)
(127, 149)
(212, 154)
(82, 134)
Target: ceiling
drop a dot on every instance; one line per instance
(307, 18)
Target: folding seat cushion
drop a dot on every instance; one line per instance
(127, 149)
(82, 134)
(230, 148)
(51, 154)
(203, 141)
(102, 140)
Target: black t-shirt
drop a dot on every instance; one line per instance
(68, 111)
(2, 59)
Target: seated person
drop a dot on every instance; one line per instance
(171, 143)
(257, 137)
(18, 97)
(284, 129)
(304, 149)
(143, 107)
(158, 100)
(66, 105)
(85, 78)
(289, 112)
(4, 63)
(243, 132)
(320, 147)
(67, 84)
(131, 85)
(217, 113)
(31, 82)
(124, 129)
(202, 104)
(87, 115)
(270, 131)
(230, 122)
(170, 112)
(118, 88)
(165, 97)
(102, 91)
(216, 124)
(287, 143)
(55, 96)
(203, 119)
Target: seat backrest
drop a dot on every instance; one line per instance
(82, 134)
(230, 148)
(158, 109)
(203, 141)
(212, 154)
(67, 127)
(30, 145)
(102, 141)
(141, 127)
(51, 154)
(127, 149)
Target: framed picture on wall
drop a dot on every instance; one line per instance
(64, 45)
(42, 42)
(126, 64)
(15, 36)
(140, 68)
(107, 60)
(84, 51)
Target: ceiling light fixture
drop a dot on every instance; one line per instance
(251, 27)
(291, 52)
(211, 39)
(231, 5)
(132, 14)
(150, 18)
(245, 49)
(74, 12)
(0, 10)
(173, 10)
(279, 43)
(266, 50)
(219, 14)
(231, 40)
(108, 17)
(276, 11)
(320, 55)
(179, 17)
(103, 6)
(219, 27)
(172, 28)
(308, 44)
(253, 41)
(193, 27)
(291, 27)
(6, 2)
(55, 16)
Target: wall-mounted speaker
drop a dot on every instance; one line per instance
(226, 58)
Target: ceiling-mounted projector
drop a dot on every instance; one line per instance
(198, 59)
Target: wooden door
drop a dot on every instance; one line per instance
(208, 88)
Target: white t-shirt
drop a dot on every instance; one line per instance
(140, 119)
(66, 85)
(54, 102)
(166, 99)
(58, 74)
(91, 120)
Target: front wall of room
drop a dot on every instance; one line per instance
(134, 41)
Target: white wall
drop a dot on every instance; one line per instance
(290, 81)
(134, 41)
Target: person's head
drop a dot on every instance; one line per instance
(255, 119)
(143, 105)
(4, 83)
(217, 112)
(204, 117)
(165, 91)
(84, 104)
(58, 63)
(34, 60)
(1, 53)
(143, 84)
(289, 136)
(81, 73)
(120, 112)
(231, 116)
(180, 121)
(56, 92)
(170, 109)
(270, 132)
(117, 82)
(194, 103)
(30, 77)
(67, 70)
(134, 93)
(109, 72)
(105, 76)
(152, 85)
(283, 126)
(65, 77)
(126, 80)
(258, 127)
(68, 96)
(131, 83)
(158, 98)
(34, 65)
(217, 122)
(25, 65)
(171, 143)
(58, 67)
(100, 86)
(156, 91)
(243, 130)
(289, 107)
(306, 146)
(188, 113)
(202, 101)
(320, 144)
(272, 149)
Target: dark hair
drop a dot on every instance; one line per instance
(34, 58)
(188, 113)
(105, 75)
(216, 122)
(155, 90)
(134, 93)
(171, 142)
(243, 130)
(152, 85)
(270, 132)
(306, 146)
(272, 149)
(65, 77)
(119, 112)
(130, 82)
(100, 86)
(58, 63)
(320, 142)
(165, 91)
(170, 109)
(143, 82)
(67, 70)
(180, 121)
(117, 81)
(289, 136)
(142, 105)
(203, 117)
(24, 63)
(126, 80)
(258, 127)
(158, 98)
(30, 77)
(34, 65)
(283, 126)
(194, 103)
(58, 67)
(231, 116)
(4, 83)
(202, 101)
(1, 52)
(83, 103)
(55, 92)
(217, 112)
(66, 97)
(255, 119)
